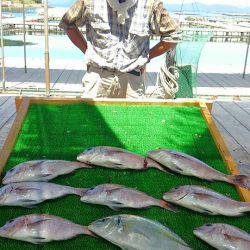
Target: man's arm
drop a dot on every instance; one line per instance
(163, 25)
(77, 38)
(70, 22)
(160, 49)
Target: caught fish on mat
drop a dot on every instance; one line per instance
(27, 194)
(41, 170)
(117, 196)
(206, 201)
(42, 228)
(136, 233)
(117, 158)
(224, 237)
(187, 165)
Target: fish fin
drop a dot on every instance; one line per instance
(117, 165)
(80, 191)
(178, 169)
(240, 180)
(149, 163)
(204, 210)
(45, 175)
(36, 240)
(202, 196)
(115, 205)
(137, 231)
(115, 208)
(28, 201)
(37, 223)
(234, 238)
(167, 206)
(112, 191)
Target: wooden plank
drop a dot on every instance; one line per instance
(105, 101)
(3, 99)
(233, 126)
(245, 105)
(239, 114)
(226, 156)
(13, 133)
(240, 155)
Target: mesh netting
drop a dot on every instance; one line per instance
(188, 53)
(63, 131)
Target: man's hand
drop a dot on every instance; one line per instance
(161, 48)
(77, 38)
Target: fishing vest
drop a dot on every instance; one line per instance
(101, 15)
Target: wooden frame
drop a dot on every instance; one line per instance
(22, 105)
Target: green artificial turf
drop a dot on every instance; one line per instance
(63, 131)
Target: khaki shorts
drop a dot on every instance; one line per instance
(99, 83)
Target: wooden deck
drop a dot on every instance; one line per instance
(232, 118)
(67, 75)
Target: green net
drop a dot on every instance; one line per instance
(63, 131)
(188, 54)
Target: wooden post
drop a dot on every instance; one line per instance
(24, 40)
(2, 47)
(245, 67)
(46, 33)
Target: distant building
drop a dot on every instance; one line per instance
(7, 3)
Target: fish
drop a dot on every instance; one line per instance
(224, 236)
(137, 233)
(41, 170)
(27, 194)
(206, 201)
(184, 164)
(42, 228)
(117, 196)
(117, 158)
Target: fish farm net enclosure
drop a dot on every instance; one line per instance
(62, 131)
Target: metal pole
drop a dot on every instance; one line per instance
(245, 67)
(24, 40)
(46, 53)
(2, 47)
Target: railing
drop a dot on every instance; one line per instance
(218, 35)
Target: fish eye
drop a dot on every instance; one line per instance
(104, 219)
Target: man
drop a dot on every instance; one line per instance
(118, 42)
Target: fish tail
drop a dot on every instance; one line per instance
(79, 191)
(167, 206)
(153, 164)
(88, 232)
(239, 180)
(81, 165)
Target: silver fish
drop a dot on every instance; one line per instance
(41, 170)
(187, 165)
(206, 201)
(26, 194)
(136, 233)
(42, 228)
(117, 196)
(224, 237)
(117, 158)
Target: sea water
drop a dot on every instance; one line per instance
(214, 56)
